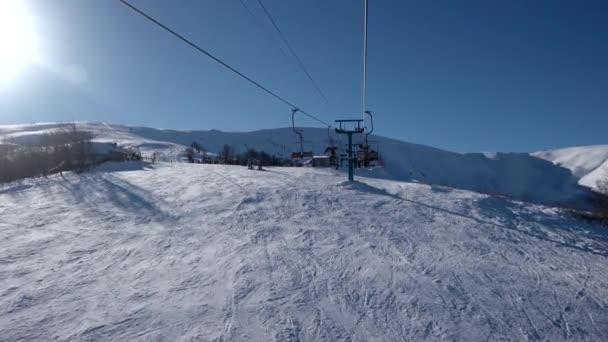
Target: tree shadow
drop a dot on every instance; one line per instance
(14, 189)
(274, 171)
(109, 167)
(106, 195)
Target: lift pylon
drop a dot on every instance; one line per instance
(355, 128)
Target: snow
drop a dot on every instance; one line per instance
(213, 253)
(588, 163)
(535, 177)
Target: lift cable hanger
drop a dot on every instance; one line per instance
(302, 154)
(364, 59)
(371, 120)
(216, 59)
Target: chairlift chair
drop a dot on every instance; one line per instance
(331, 150)
(366, 153)
(301, 154)
(302, 150)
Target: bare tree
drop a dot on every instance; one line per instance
(227, 153)
(189, 152)
(196, 147)
(66, 148)
(69, 148)
(80, 146)
(158, 156)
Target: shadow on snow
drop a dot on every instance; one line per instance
(515, 217)
(106, 195)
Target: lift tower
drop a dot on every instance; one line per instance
(350, 127)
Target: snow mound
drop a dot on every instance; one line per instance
(215, 253)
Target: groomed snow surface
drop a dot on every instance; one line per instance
(174, 252)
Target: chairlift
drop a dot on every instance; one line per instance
(366, 153)
(331, 149)
(305, 150)
(301, 153)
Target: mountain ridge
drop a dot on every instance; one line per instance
(559, 177)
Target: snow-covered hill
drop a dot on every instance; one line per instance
(220, 253)
(560, 177)
(588, 163)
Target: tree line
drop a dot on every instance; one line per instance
(228, 155)
(65, 149)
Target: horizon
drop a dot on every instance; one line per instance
(467, 77)
(285, 128)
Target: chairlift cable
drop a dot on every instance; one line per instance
(218, 60)
(364, 58)
(293, 52)
(269, 34)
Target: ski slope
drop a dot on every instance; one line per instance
(537, 177)
(220, 253)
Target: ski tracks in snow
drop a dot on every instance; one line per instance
(221, 253)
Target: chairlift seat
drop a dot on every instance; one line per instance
(300, 155)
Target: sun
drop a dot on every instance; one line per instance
(17, 39)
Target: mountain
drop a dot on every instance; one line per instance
(191, 252)
(587, 163)
(560, 177)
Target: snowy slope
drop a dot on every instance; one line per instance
(517, 175)
(588, 163)
(215, 253)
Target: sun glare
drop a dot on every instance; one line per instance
(17, 39)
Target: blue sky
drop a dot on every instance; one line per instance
(461, 75)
